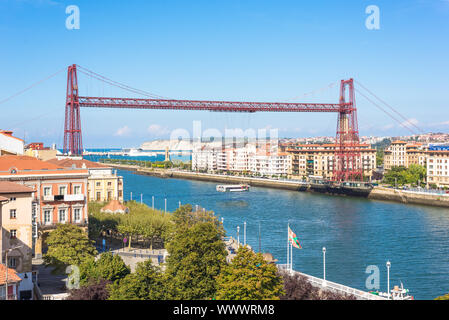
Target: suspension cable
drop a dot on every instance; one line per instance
(31, 86)
(385, 111)
(118, 84)
(390, 107)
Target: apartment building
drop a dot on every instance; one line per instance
(438, 167)
(60, 194)
(271, 165)
(205, 159)
(401, 153)
(10, 144)
(103, 184)
(17, 233)
(318, 160)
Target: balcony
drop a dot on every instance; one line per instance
(74, 197)
(48, 198)
(63, 197)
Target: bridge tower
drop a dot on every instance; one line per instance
(348, 163)
(73, 141)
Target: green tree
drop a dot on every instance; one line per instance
(108, 267)
(249, 277)
(68, 245)
(146, 283)
(197, 253)
(94, 290)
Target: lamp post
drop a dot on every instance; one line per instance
(238, 236)
(388, 278)
(6, 269)
(324, 263)
(244, 233)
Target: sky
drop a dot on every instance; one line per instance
(245, 50)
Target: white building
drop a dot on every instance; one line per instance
(270, 165)
(10, 144)
(204, 160)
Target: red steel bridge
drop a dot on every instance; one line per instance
(347, 165)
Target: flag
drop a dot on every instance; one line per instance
(293, 239)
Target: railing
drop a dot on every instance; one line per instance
(10, 297)
(336, 287)
(74, 197)
(48, 198)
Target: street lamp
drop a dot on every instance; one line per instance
(324, 263)
(6, 265)
(238, 236)
(388, 278)
(244, 233)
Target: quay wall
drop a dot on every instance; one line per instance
(378, 193)
(404, 196)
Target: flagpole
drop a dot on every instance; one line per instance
(291, 257)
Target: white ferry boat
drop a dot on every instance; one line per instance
(397, 293)
(232, 188)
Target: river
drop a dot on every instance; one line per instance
(356, 232)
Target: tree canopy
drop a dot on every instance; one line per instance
(413, 175)
(68, 245)
(107, 266)
(141, 222)
(197, 254)
(249, 277)
(146, 283)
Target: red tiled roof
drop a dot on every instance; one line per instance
(12, 275)
(30, 166)
(3, 199)
(68, 163)
(11, 187)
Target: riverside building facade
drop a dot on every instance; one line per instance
(103, 183)
(403, 154)
(318, 160)
(438, 167)
(60, 194)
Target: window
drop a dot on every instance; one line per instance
(77, 190)
(98, 196)
(47, 191)
(109, 195)
(109, 184)
(13, 214)
(98, 184)
(62, 190)
(12, 262)
(12, 199)
(13, 234)
(77, 215)
(62, 216)
(47, 216)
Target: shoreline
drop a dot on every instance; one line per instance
(378, 193)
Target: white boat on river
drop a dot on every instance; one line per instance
(232, 188)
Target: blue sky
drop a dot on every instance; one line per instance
(223, 50)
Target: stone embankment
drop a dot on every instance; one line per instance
(412, 197)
